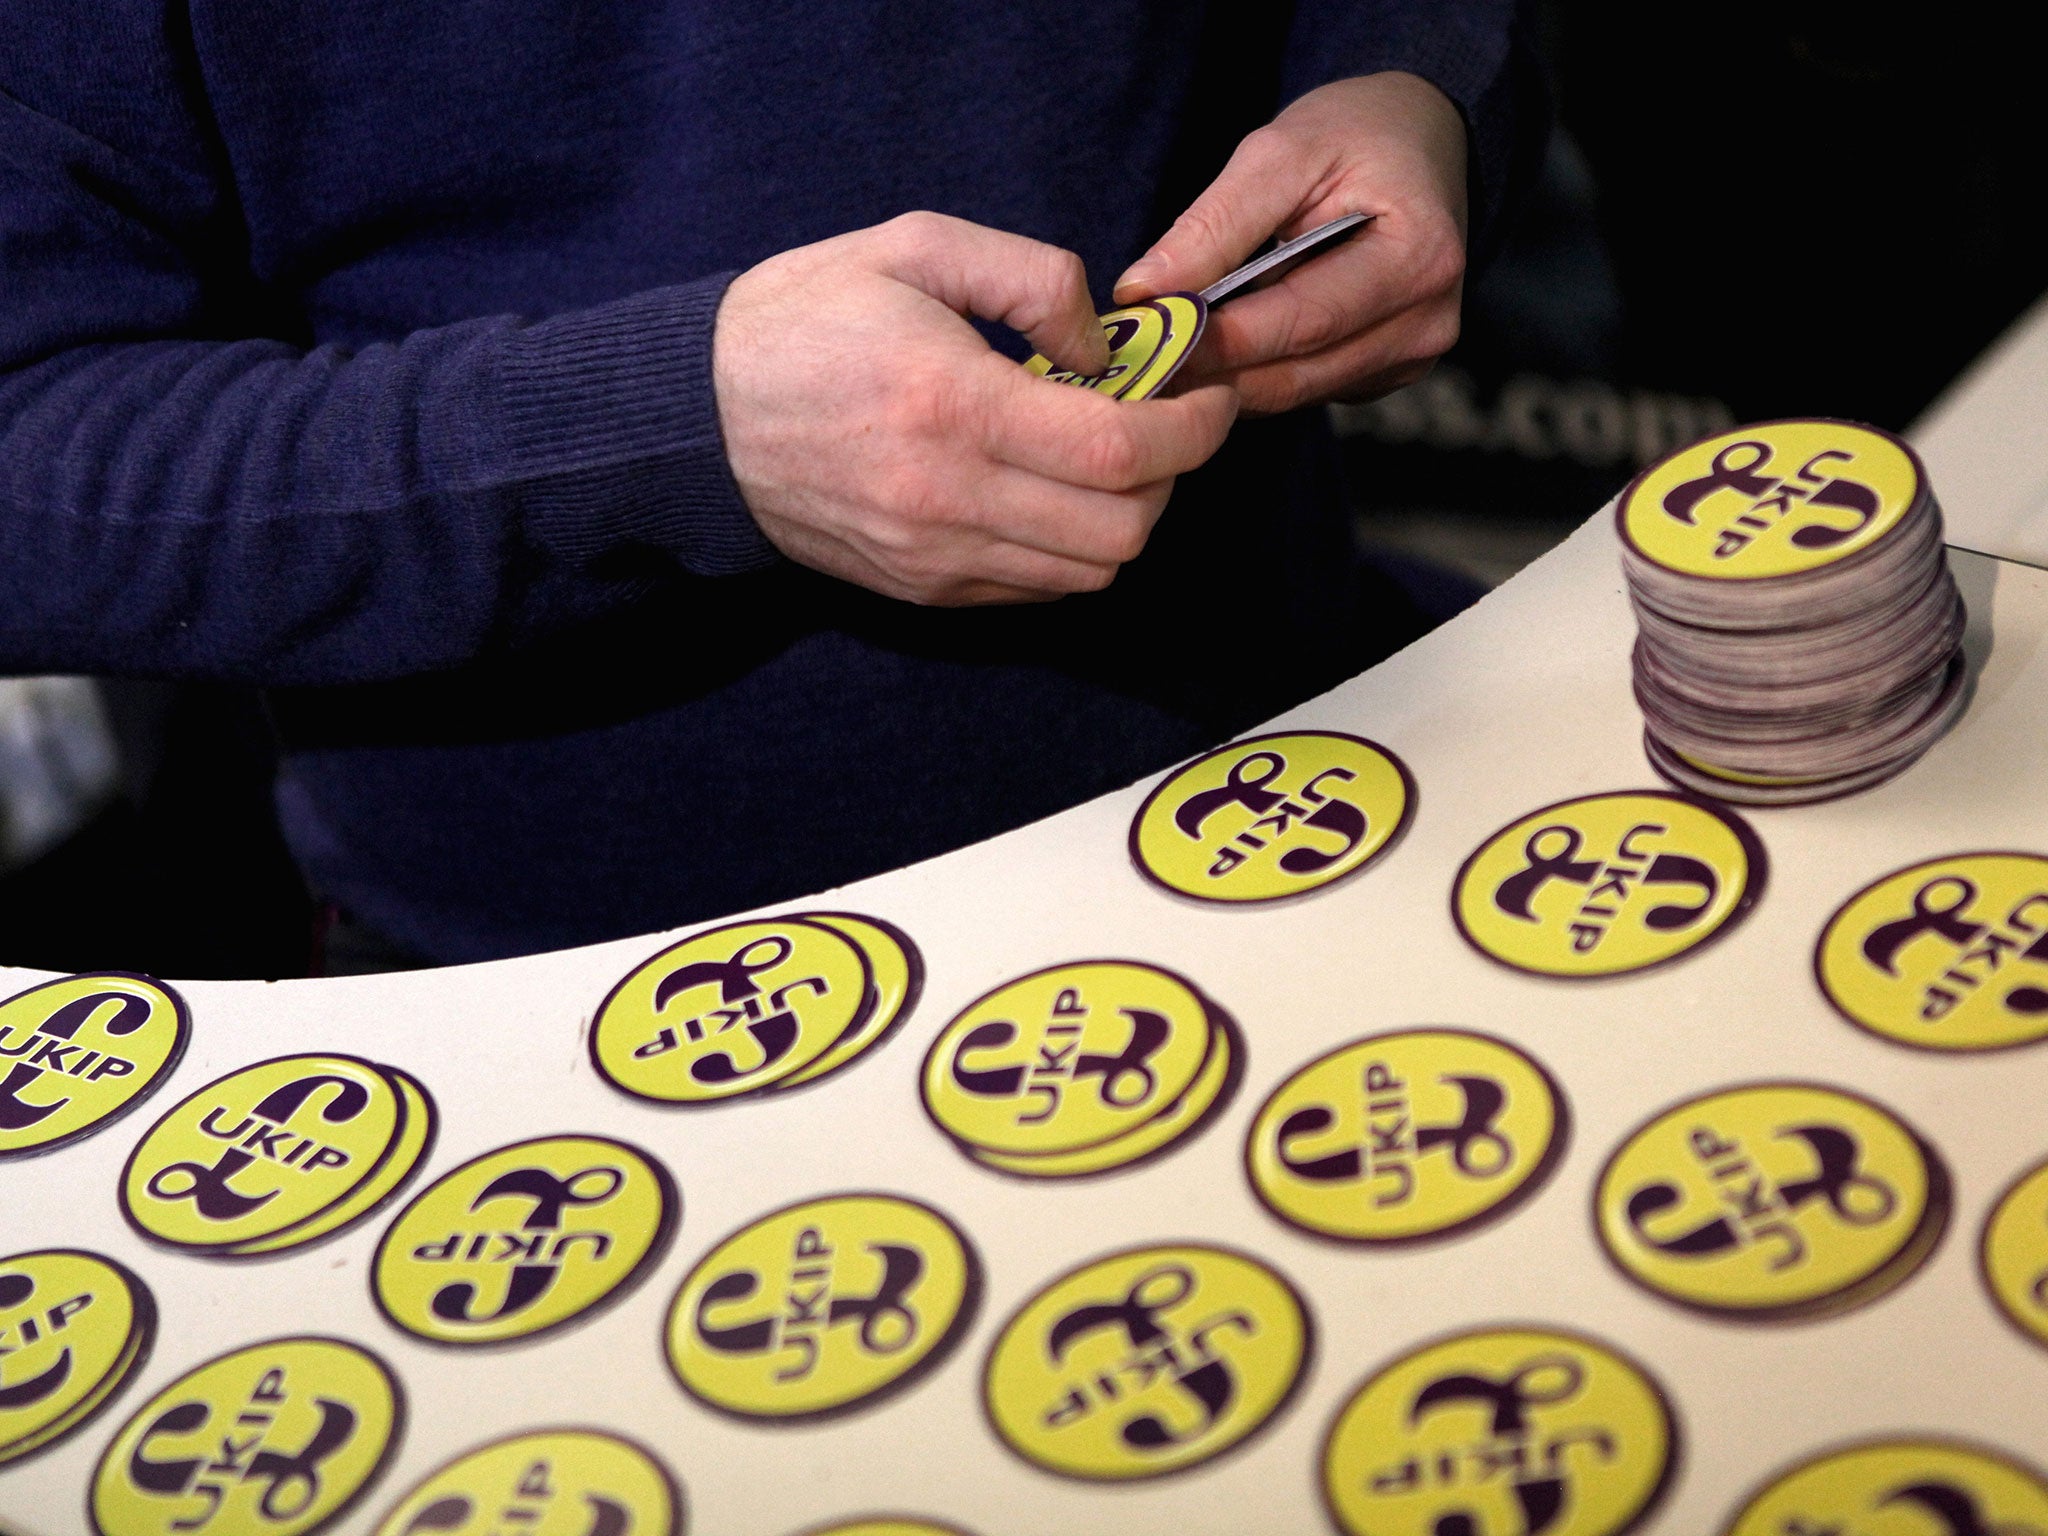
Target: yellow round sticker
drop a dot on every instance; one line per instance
(1146, 1362)
(80, 1052)
(1905, 1487)
(546, 1482)
(1950, 954)
(1186, 316)
(1607, 884)
(1147, 343)
(899, 981)
(1272, 816)
(523, 1240)
(732, 1011)
(1503, 1429)
(1772, 1200)
(1067, 1058)
(2014, 1253)
(1406, 1136)
(74, 1327)
(1214, 1087)
(822, 1307)
(264, 1153)
(280, 1437)
(1772, 499)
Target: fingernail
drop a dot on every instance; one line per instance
(1133, 283)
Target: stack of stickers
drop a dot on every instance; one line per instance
(1800, 634)
(1081, 1069)
(277, 1155)
(754, 1007)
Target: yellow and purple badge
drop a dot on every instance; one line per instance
(1149, 341)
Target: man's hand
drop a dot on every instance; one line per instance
(1358, 321)
(877, 438)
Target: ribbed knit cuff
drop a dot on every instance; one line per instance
(610, 423)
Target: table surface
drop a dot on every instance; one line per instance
(1521, 702)
(1985, 442)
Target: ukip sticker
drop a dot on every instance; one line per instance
(1147, 344)
(524, 1240)
(1773, 499)
(1607, 884)
(733, 1010)
(1406, 1136)
(1074, 1059)
(1907, 1486)
(545, 1482)
(1950, 954)
(1772, 1201)
(78, 1053)
(822, 1307)
(273, 1155)
(74, 1327)
(1272, 816)
(278, 1438)
(1504, 1429)
(2014, 1253)
(1146, 1362)
(898, 971)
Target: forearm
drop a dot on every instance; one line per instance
(245, 510)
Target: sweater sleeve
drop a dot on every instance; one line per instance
(187, 490)
(1477, 52)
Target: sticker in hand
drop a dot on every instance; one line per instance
(1080, 1068)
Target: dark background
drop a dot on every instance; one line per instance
(1750, 211)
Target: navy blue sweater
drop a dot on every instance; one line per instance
(362, 353)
